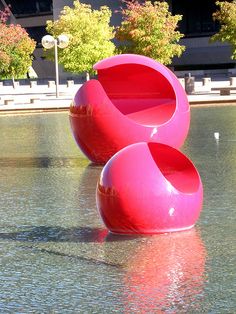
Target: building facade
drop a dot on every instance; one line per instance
(197, 25)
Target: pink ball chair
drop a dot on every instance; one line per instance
(135, 99)
(149, 188)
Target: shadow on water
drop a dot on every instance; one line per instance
(56, 234)
(157, 271)
(59, 234)
(44, 234)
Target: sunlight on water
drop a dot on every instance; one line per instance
(56, 255)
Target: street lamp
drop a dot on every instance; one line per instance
(49, 42)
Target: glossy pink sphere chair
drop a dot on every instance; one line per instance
(135, 99)
(149, 188)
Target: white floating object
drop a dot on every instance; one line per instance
(217, 135)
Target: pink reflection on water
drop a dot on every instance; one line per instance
(166, 273)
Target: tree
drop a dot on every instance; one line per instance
(89, 36)
(226, 16)
(149, 29)
(16, 48)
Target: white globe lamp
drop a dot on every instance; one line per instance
(62, 41)
(48, 42)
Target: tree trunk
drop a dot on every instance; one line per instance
(13, 82)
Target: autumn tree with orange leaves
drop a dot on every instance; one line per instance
(149, 29)
(16, 48)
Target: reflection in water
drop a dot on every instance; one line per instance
(165, 272)
(85, 196)
(88, 182)
(42, 162)
(54, 247)
(160, 272)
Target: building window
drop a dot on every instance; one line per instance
(197, 17)
(30, 7)
(36, 33)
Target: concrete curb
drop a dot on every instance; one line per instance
(23, 100)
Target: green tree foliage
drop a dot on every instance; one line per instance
(149, 29)
(16, 48)
(89, 33)
(226, 16)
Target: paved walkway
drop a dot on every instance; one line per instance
(42, 98)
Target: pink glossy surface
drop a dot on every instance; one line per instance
(135, 99)
(149, 188)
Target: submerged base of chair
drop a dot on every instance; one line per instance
(149, 188)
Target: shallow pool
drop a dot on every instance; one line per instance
(57, 257)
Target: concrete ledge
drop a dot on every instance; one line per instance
(70, 83)
(35, 100)
(33, 84)
(225, 91)
(51, 84)
(8, 101)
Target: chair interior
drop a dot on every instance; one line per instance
(176, 167)
(139, 92)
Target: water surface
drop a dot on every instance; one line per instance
(57, 257)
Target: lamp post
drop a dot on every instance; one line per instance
(49, 42)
